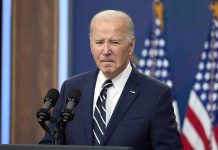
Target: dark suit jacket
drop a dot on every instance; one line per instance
(143, 119)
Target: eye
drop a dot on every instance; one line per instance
(99, 42)
(115, 43)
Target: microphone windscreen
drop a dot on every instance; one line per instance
(52, 94)
(75, 94)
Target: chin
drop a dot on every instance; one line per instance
(107, 72)
(107, 68)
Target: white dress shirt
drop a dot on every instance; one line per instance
(113, 92)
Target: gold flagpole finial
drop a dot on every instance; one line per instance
(158, 8)
(214, 8)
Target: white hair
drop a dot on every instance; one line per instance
(110, 14)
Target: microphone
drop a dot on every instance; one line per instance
(49, 101)
(72, 101)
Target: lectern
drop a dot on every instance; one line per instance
(58, 147)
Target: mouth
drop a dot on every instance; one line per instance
(106, 61)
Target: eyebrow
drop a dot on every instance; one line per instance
(102, 39)
(116, 39)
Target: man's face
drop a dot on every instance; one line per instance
(110, 46)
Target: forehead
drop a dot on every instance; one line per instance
(115, 26)
(108, 17)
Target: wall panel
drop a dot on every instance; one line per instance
(34, 51)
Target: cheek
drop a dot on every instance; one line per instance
(123, 56)
(96, 57)
(94, 52)
(94, 49)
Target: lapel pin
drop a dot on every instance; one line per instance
(133, 92)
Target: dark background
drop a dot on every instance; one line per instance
(186, 27)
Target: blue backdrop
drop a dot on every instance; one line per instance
(186, 28)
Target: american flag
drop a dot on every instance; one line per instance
(200, 128)
(153, 60)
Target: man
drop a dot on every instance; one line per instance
(134, 110)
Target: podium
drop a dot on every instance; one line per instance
(58, 147)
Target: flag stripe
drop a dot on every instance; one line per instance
(216, 133)
(198, 127)
(199, 110)
(176, 111)
(190, 133)
(214, 143)
(186, 144)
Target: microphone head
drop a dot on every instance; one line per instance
(75, 95)
(53, 95)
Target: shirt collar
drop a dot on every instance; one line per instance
(119, 81)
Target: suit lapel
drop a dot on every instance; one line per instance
(87, 96)
(127, 97)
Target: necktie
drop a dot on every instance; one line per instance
(99, 118)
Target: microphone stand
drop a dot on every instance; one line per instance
(66, 116)
(43, 115)
(56, 137)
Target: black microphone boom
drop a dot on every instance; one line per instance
(72, 102)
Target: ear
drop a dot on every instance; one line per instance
(132, 45)
(131, 51)
(90, 43)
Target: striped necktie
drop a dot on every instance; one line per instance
(99, 118)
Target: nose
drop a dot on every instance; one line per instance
(106, 48)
